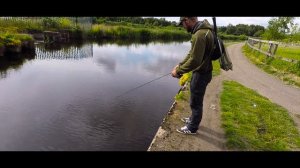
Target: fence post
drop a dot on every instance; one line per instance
(275, 49)
(250, 41)
(270, 49)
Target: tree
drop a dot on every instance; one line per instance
(222, 29)
(279, 27)
(230, 29)
(241, 29)
(258, 33)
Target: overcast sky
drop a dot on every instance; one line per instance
(224, 21)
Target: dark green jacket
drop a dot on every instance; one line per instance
(198, 57)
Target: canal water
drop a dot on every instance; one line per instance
(65, 98)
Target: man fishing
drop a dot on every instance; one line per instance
(199, 62)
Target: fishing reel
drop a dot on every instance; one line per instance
(179, 76)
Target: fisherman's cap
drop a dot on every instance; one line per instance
(180, 21)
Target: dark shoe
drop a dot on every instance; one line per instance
(185, 130)
(186, 120)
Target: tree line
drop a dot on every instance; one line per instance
(279, 29)
(242, 29)
(135, 20)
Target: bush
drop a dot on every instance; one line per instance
(14, 39)
(23, 37)
(65, 23)
(50, 22)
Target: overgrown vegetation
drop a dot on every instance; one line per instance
(12, 31)
(252, 122)
(137, 28)
(11, 39)
(38, 24)
(286, 71)
(103, 31)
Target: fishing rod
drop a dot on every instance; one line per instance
(142, 85)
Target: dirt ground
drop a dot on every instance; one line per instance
(210, 136)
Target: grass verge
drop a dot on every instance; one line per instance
(252, 122)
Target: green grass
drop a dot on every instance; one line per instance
(180, 96)
(252, 122)
(289, 52)
(286, 71)
(216, 68)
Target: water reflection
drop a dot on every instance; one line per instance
(156, 58)
(64, 99)
(130, 42)
(108, 62)
(63, 51)
(13, 62)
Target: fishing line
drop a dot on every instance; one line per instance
(142, 85)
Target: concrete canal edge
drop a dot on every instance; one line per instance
(161, 133)
(209, 137)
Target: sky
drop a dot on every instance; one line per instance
(224, 21)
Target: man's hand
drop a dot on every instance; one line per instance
(174, 73)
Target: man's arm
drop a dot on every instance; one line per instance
(195, 56)
(186, 58)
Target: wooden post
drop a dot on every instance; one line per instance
(251, 42)
(270, 48)
(275, 49)
(259, 44)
